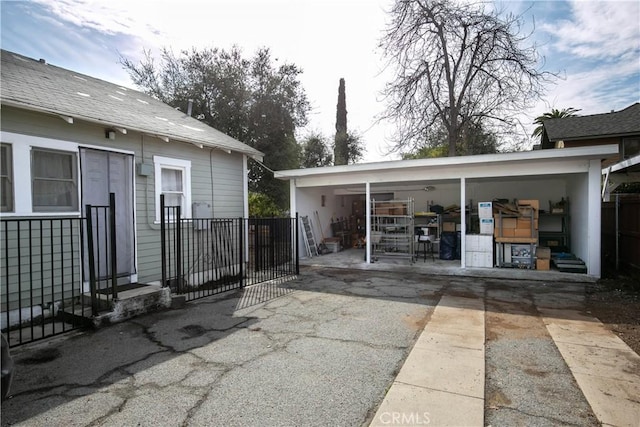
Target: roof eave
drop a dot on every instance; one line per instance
(197, 142)
(593, 152)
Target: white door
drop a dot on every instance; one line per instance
(105, 172)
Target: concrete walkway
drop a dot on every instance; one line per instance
(442, 381)
(605, 368)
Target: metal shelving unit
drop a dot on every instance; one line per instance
(555, 227)
(392, 229)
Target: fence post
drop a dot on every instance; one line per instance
(295, 245)
(92, 267)
(163, 250)
(241, 238)
(178, 221)
(257, 264)
(112, 244)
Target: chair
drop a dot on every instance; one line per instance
(427, 243)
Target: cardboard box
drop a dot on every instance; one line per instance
(526, 223)
(448, 226)
(485, 210)
(542, 264)
(522, 232)
(506, 222)
(505, 232)
(528, 211)
(486, 225)
(543, 252)
(479, 259)
(479, 243)
(533, 203)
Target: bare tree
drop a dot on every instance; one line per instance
(455, 64)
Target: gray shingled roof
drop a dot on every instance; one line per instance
(35, 85)
(620, 123)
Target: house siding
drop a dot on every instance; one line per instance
(216, 176)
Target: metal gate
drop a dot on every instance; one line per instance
(206, 256)
(55, 273)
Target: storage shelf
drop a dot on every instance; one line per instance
(392, 228)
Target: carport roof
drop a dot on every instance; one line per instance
(537, 162)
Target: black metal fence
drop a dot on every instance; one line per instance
(55, 273)
(207, 256)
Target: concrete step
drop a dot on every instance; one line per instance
(134, 302)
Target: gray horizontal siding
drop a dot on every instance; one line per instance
(40, 261)
(216, 177)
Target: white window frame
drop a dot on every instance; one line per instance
(10, 207)
(159, 163)
(21, 146)
(623, 149)
(75, 180)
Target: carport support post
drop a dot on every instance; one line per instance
(367, 205)
(463, 222)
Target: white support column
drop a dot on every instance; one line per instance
(367, 207)
(293, 209)
(293, 204)
(594, 218)
(463, 222)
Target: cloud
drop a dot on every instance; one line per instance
(598, 29)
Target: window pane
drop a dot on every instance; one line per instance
(6, 179)
(53, 194)
(631, 147)
(5, 194)
(4, 161)
(54, 181)
(48, 164)
(171, 180)
(172, 199)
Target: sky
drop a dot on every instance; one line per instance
(593, 45)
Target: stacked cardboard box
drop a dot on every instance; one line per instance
(479, 250)
(515, 221)
(485, 216)
(543, 258)
(479, 247)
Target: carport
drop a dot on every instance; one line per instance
(574, 174)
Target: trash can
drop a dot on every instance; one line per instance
(448, 245)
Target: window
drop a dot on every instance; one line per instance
(6, 178)
(54, 181)
(173, 179)
(630, 147)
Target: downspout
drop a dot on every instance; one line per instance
(245, 190)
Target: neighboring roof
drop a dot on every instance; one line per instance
(619, 123)
(524, 163)
(38, 86)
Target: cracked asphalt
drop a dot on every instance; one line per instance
(320, 350)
